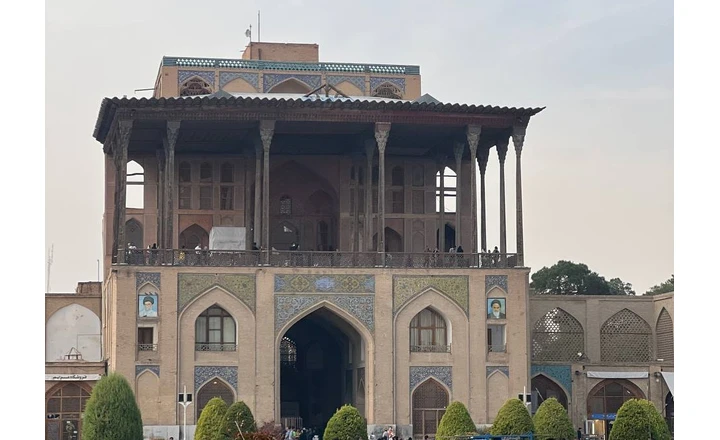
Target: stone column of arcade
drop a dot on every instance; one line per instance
(369, 151)
(169, 141)
(382, 132)
(257, 209)
(120, 155)
(518, 138)
(441, 226)
(458, 149)
(482, 161)
(355, 208)
(473, 136)
(267, 129)
(160, 158)
(502, 147)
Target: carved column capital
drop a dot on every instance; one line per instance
(473, 136)
(173, 130)
(267, 130)
(382, 132)
(459, 149)
(124, 129)
(518, 137)
(502, 148)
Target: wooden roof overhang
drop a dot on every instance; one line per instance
(229, 125)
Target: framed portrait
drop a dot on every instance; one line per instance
(496, 308)
(148, 305)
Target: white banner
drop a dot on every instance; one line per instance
(618, 374)
(73, 377)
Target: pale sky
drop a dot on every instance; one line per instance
(597, 163)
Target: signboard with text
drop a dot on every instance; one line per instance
(72, 377)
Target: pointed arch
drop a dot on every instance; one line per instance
(429, 332)
(239, 85)
(134, 232)
(184, 172)
(387, 90)
(135, 192)
(393, 240)
(195, 86)
(557, 336)
(664, 336)
(497, 291)
(215, 330)
(625, 337)
(214, 387)
(397, 176)
(608, 396)
(72, 326)
(429, 401)
(206, 172)
(549, 387)
(497, 393)
(319, 203)
(147, 386)
(349, 88)
(290, 85)
(65, 401)
(284, 234)
(192, 236)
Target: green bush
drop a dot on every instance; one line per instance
(211, 423)
(240, 413)
(112, 413)
(512, 419)
(551, 421)
(346, 424)
(635, 419)
(455, 421)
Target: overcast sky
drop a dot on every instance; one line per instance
(597, 163)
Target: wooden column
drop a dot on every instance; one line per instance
(267, 129)
(169, 141)
(257, 209)
(369, 151)
(441, 228)
(458, 149)
(248, 179)
(160, 156)
(502, 147)
(120, 153)
(483, 160)
(382, 131)
(518, 138)
(355, 208)
(473, 136)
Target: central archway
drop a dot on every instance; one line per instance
(322, 364)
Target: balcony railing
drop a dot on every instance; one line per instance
(497, 348)
(200, 346)
(147, 347)
(405, 260)
(430, 348)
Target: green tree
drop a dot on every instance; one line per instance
(551, 421)
(512, 419)
(455, 421)
(238, 413)
(212, 421)
(111, 412)
(636, 419)
(346, 424)
(664, 287)
(568, 278)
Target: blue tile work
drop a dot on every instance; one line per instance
(360, 306)
(291, 283)
(357, 81)
(184, 75)
(270, 80)
(252, 78)
(503, 370)
(228, 374)
(562, 374)
(386, 69)
(140, 368)
(147, 277)
(375, 81)
(419, 374)
(496, 280)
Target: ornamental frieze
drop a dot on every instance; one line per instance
(455, 287)
(419, 374)
(204, 374)
(191, 285)
(287, 307)
(500, 281)
(147, 277)
(303, 283)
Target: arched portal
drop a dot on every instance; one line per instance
(192, 236)
(321, 362)
(134, 233)
(429, 401)
(214, 388)
(64, 405)
(606, 398)
(548, 388)
(393, 241)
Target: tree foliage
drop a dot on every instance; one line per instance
(636, 419)
(112, 413)
(211, 424)
(346, 424)
(551, 421)
(512, 419)
(568, 278)
(239, 413)
(664, 287)
(455, 421)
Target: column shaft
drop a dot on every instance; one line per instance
(172, 132)
(160, 156)
(257, 208)
(441, 227)
(382, 132)
(518, 141)
(483, 159)
(121, 159)
(502, 147)
(458, 150)
(267, 129)
(473, 137)
(369, 151)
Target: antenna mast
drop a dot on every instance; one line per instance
(49, 265)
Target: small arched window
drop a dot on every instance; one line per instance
(215, 330)
(185, 174)
(398, 176)
(195, 86)
(428, 332)
(226, 173)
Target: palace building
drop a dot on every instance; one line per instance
(300, 234)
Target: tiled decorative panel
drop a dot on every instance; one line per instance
(357, 81)
(140, 368)
(491, 369)
(228, 374)
(360, 306)
(454, 287)
(560, 373)
(251, 78)
(184, 75)
(325, 283)
(147, 277)
(270, 80)
(191, 285)
(375, 81)
(500, 281)
(419, 374)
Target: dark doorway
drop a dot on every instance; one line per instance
(320, 361)
(449, 237)
(193, 236)
(393, 241)
(547, 388)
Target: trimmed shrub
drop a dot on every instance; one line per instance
(635, 418)
(346, 424)
(455, 421)
(240, 413)
(211, 424)
(112, 413)
(512, 419)
(551, 422)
